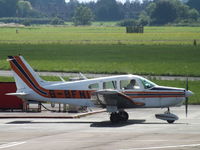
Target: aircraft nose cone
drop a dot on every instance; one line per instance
(188, 93)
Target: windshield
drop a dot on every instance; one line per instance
(147, 84)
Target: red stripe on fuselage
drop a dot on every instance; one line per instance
(155, 94)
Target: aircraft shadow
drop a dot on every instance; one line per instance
(119, 124)
(46, 122)
(129, 122)
(93, 123)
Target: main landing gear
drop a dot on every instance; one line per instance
(167, 116)
(118, 116)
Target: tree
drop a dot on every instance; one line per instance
(8, 8)
(194, 4)
(24, 9)
(128, 22)
(83, 16)
(132, 9)
(193, 14)
(108, 10)
(144, 19)
(70, 8)
(165, 11)
(50, 8)
(56, 21)
(149, 11)
(169, 11)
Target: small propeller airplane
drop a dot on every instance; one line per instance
(115, 93)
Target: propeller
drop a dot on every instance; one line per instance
(186, 100)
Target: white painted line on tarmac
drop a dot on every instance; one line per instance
(163, 147)
(11, 144)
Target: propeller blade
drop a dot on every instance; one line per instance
(186, 106)
(186, 100)
(187, 87)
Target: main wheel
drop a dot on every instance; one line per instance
(170, 121)
(123, 115)
(114, 117)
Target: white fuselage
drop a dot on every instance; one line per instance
(152, 95)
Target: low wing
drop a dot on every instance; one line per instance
(114, 98)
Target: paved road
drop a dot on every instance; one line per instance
(141, 132)
(9, 73)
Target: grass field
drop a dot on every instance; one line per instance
(100, 35)
(135, 59)
(101, 49)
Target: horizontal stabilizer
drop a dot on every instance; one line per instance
(17, 94)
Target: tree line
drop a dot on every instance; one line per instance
(148, 12)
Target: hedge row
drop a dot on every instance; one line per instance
(29, 21)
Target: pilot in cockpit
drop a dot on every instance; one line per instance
(131, 84)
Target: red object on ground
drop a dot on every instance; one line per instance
(7, 101)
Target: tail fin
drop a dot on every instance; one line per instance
(25, 76)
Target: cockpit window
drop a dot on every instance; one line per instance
(129, 84)
(94, 86)
(147, 84)
(110, 85)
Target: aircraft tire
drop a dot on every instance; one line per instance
(114, 117)
(123, 115)
(170, 121)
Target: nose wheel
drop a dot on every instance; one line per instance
(116, 117)
(170, 121)
(168, 112)
(167, 116)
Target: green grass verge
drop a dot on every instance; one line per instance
(100, 35)
(135, 59)
(6, 79)
(193, 85)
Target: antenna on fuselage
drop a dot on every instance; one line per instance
(61, 78)
(83, 76)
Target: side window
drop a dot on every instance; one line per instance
(94, 86)
(110, 85)
(124, 84)
(129, 84)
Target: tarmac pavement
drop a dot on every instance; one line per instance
(95, 132)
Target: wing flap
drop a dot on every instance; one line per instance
(114, 98)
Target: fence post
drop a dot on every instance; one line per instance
(195, 43)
